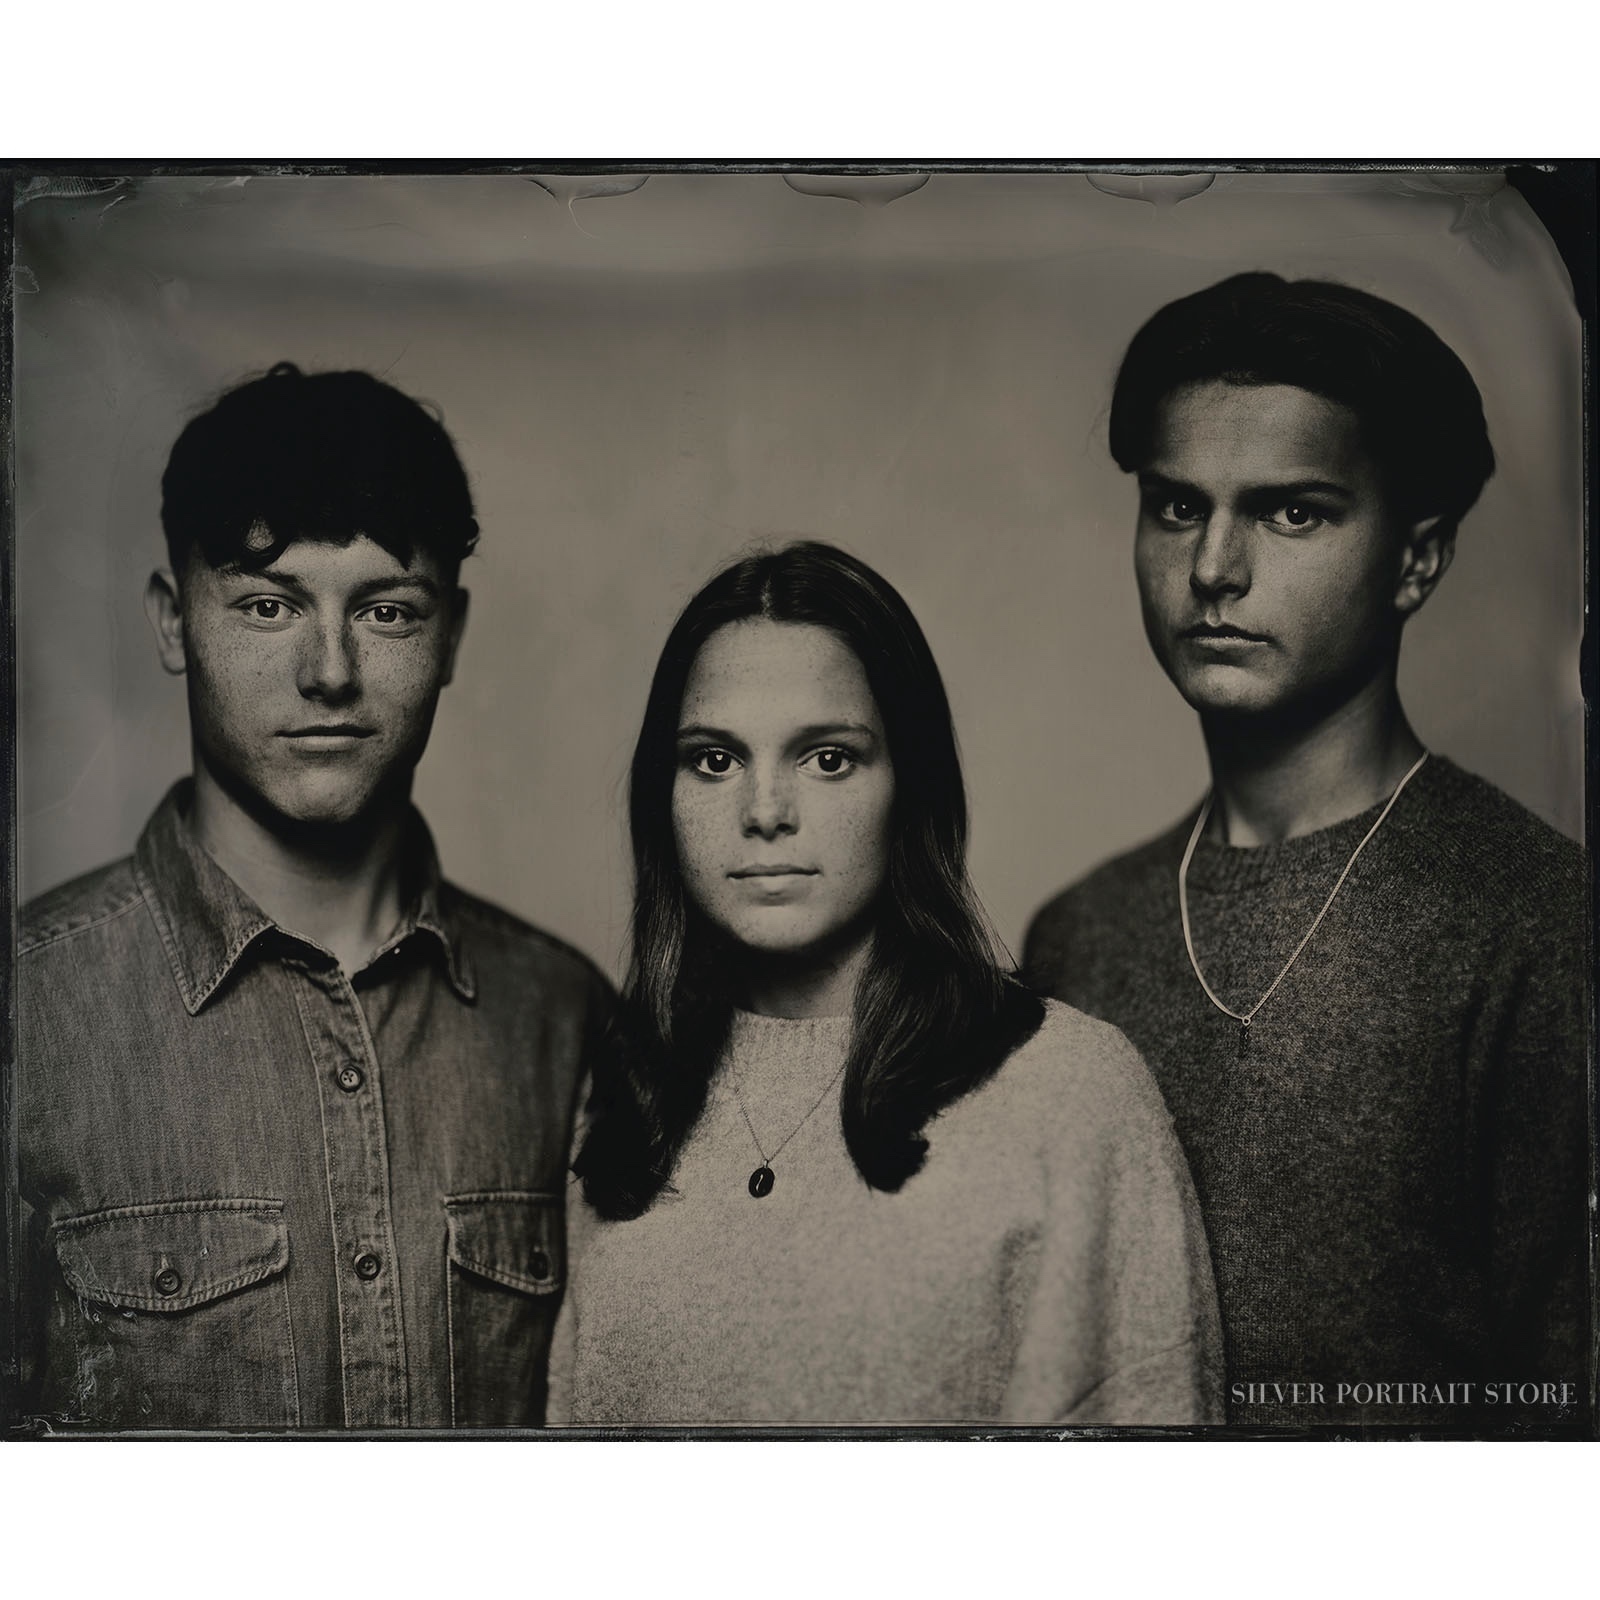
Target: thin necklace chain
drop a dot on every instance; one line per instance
(1244, 1017)
(766, 1160)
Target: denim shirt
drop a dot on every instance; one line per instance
(257, 1192)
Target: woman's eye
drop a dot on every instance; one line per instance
(832, 762)
(713, 763)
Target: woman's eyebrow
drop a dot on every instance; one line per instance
(806, 735)
(834, 730)
(704, 730)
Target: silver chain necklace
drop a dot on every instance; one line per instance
(762, 1180)
(1244, 1018)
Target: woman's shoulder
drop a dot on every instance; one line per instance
(1075, 1077)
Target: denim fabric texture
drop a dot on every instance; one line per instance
(258, 1192)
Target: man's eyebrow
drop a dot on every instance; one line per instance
(277, 575)
(414, 581)
(1298, 486)
(1149, 478)
(1282, 489)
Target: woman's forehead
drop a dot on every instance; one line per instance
(765, 674)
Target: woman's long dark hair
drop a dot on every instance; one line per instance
(934, 1016)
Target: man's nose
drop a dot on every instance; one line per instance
(328, 666)
(1221, 560)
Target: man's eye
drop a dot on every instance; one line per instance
(712, 762)
(388, 614)
(831, 761)
(1179, 512)
(266, 608)
(1297, 516)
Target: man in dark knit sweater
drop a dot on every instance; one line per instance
(1358, 972)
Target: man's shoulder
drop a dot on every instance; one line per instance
(1494, 844)
(79, 908)
(1114, 891)
(497, 932)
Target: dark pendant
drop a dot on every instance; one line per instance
(761, 1181)
(1244, 1040)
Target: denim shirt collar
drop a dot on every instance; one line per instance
(208, 923)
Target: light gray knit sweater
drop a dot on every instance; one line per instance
(1047, 1265)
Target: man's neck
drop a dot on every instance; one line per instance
(1276, 783)
(339, 887)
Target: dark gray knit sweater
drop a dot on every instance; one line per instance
(1394, 1176)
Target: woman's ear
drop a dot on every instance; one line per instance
(1425, 558)
(163, 605)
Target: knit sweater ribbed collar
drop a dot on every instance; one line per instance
(781, 1064)
(1219, 868)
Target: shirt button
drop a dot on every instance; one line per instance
(168, 1282)
(351, 1079)
(539, 1264)
(368, 1266)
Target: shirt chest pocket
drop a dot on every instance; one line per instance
(506, 1266)
(181, 1316)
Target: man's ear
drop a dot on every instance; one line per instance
(163, 605)
(1429, 548)
(458, 626)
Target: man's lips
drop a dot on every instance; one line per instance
(780, 869)
(1221, 631)
(327, 730)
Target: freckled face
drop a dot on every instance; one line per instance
(312, 682)
(1269, 565)
(781, 803)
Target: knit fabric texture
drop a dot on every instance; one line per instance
(1047, 1265)
(1394, 1172)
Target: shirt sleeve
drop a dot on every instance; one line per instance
(33, 1262)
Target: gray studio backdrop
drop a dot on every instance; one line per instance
(641, 384)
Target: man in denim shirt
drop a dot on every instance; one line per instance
(292, 1111)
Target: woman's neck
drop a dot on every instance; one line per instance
(817, 985)
(1272, 784)
(337, 886)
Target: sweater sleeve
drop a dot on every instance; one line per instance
(579, 1225)
(564, 1340)
(1121, 1326)
(1535, 1154)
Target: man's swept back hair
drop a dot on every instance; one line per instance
(327, 456)
(1420, 413)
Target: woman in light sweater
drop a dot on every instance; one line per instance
(840, 1168)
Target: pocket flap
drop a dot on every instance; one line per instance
(510, 1237)
(172, 1257)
